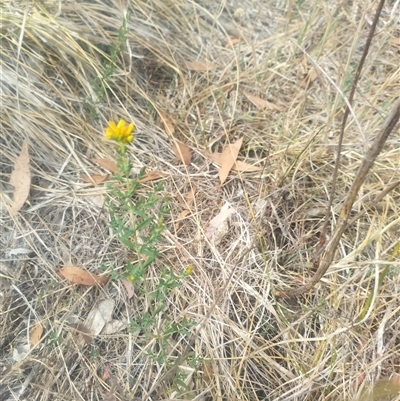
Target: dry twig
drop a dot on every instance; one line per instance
(342, 223)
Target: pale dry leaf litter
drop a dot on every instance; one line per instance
(100, 319)
(129, 288)
(238, 165)
(96, 201)
(114, 326)
(21, 179)
(218, 226)
(99, 316)
(228, 158)
(20, 351)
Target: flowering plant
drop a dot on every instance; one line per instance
(137, 220)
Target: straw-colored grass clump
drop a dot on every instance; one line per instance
(194, 66)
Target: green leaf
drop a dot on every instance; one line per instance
(144, 224)
(139, 212)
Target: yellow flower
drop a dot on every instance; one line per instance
(121, 132)
(189, 270)
(131, 278)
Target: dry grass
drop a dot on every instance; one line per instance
(253, 346)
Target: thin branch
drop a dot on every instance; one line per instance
(343, 220)
(322, 240)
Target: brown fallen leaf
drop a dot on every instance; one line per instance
(153, 175)
(200, 65)
(78, 276)
(20, 179)
(130, 289)
(168, 126)
(36, 334)
(182, 152)
(232, 42)
(228, 159)
(261, 103)
(94, 178)
(107, 164)
(238, 166)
